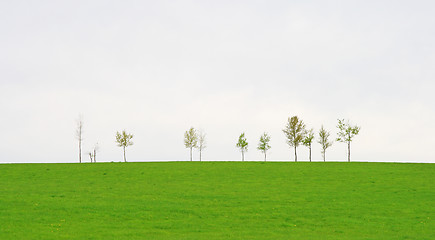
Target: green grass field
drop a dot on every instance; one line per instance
(217, 200)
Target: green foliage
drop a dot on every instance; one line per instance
(264, 145)
(308, 138)
(324, 141)
(294, 131)
(346, 131)
(242, 143)
(124, 139)
(217, 200)
(190, 138)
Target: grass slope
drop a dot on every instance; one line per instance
(217, 200)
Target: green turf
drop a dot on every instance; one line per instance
(217, 200)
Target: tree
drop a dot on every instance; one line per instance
(323, 140)
(243, 145)
(308, 139)
(263, 145)
(124, 140)
(294, 132)
(201, 143)
(95, 150)
(79, 133)
(346, 132)
(190, 140)
(93, 153)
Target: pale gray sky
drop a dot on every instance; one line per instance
(155, 68)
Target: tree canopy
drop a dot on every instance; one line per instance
(124, 140)
(294, 132)
(242, 144)
(264, 145)
(191, 140)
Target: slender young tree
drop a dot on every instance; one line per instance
(294, 132)
(264, 145)
(95, 150)
(308, 139)
(243, 145)
(324, 141)
(346, 133)
(124, 140)
(79, 135)
(201, 143)
(91, 155)
(191, 140)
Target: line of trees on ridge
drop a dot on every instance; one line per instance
(295, 132)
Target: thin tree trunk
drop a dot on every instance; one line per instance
(348, 151)
(324, 155)
(296, 155)
(190, 154)
(265, 156)
(200, 157)
(310, 152)
(243, 156)
(95, 155)
(125, 160)
(80, 151)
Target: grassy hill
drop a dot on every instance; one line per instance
(217, 200)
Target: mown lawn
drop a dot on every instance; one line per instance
(217, 200)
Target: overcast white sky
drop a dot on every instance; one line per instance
(156, 68)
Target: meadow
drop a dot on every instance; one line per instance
(217, 200)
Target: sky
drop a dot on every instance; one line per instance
(157, 68)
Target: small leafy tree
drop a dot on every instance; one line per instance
(190, 140)
(124, 140)
(243, 145)
(346, 133)
(294, 132)
(308, 139)
(324, 141)
(264, 145)
(201, 143)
